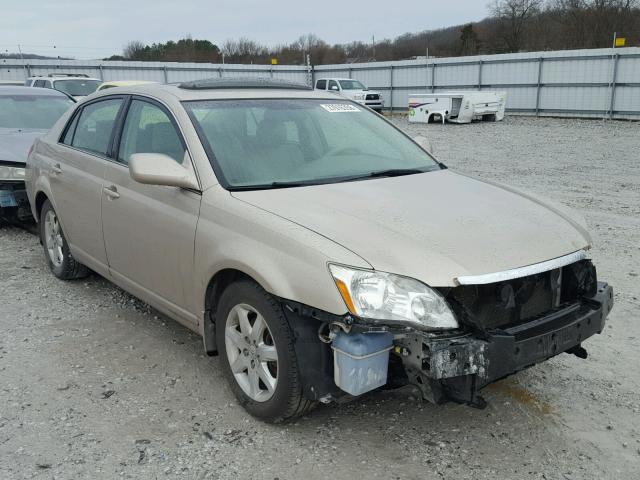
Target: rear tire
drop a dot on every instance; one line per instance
(56, 248)
(257, 353)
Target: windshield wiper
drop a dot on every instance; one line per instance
(298, 183)
(394, 172)
(267, 186)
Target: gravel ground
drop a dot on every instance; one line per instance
(95, 384)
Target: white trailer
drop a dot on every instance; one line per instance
(457, 107)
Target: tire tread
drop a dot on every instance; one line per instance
(71, 268)
(297, 404)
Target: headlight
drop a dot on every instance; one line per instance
(11, 173)
(385, 296)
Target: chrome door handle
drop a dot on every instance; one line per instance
(111, 192)
(56, 169)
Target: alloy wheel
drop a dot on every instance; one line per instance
(251, 352)
(53, 238)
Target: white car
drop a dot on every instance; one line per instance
(75, 85)
(353, 90)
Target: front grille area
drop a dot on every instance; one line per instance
(520, 300)
(372, 96)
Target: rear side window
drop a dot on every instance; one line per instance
(38, 83)
(321, 84)
(148, 129)
(95, 125)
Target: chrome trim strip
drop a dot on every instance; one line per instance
(521, 271)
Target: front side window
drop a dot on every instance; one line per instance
(273, 142)
(38, 112)
(333, 85)
(76, 87)
(38, 83)
(148, 129)
(95, 126)
(351, 85)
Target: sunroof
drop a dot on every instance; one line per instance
(243, 82)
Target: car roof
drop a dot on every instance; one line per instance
(125, 83)
(30, 91)
(61, 77)
(250, 90)
(337, 78)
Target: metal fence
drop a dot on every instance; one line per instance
(163, 72)
(588, 83)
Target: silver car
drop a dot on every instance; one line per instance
(317, 249)
(25, 114)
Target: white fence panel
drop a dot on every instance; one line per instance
(510, 73)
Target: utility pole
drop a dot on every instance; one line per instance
(20, 52)
(373, 43)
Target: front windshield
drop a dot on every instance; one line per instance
(262, 142)
(76, 87)
(352, 85)
(32, 111)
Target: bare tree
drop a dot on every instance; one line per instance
(592, 23)
(133, 50)
(514, 16)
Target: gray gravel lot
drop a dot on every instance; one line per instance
(94, 384)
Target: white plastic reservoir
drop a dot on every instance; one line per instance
(361, 360)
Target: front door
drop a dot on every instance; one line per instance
(76, 181)
(149, 230)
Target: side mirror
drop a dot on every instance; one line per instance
(334, 88)
(160, 169)
(424, 143)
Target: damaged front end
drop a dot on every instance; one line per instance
(14, 205)
(504, 327)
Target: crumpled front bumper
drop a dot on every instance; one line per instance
(14, 201)
(455, 367)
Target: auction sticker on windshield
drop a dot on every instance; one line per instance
(340, 107)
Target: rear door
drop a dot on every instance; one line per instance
(149, 230)
(76, 171)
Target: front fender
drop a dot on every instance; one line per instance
(286, 259)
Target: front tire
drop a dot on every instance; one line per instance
(56, 248)
(257, 353)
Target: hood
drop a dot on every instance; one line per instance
(433, 226)
(15, 143)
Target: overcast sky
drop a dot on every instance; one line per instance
(86, 29)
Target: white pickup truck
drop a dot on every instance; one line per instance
(353, 90)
